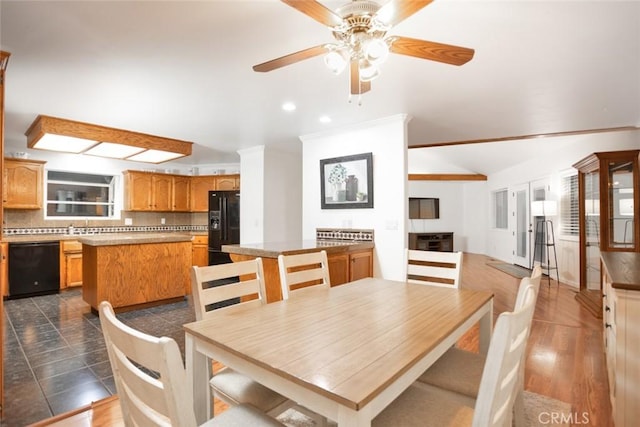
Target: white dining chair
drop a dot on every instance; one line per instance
(460, 371)
(228, 385)
(422, 407)
(151, 380)
(303, 270)
(434, 268)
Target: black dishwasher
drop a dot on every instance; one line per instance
(34, 268)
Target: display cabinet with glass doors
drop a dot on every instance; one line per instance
(608, 186)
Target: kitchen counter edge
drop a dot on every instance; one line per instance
(272, 250)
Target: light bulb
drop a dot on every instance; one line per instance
(335, 61)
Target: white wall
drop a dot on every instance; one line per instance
(271, 189)
(252, 195)
(282, 196)
(387, 140)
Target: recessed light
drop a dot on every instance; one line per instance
(325, 119)
(289, 106)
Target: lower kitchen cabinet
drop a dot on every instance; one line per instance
(350, 266)
(200, 251)
(70, 264)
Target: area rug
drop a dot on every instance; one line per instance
(539, 411)
(511, 269)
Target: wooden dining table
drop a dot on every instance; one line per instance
(344, 352)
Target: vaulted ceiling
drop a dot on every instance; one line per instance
(183, 69)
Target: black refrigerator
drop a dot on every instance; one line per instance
(224, 224)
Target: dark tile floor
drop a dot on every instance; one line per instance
(55, 359)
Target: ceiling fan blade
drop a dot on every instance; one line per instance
(357, 87)
(454, 55)
(316, 11)
(394, 11)
(290, 59)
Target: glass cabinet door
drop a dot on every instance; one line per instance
(621, 212)
(592, 228)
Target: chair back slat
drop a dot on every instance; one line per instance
(434, 268)
(498, 386)
(302, 270)
(243, 280)
(149, 375)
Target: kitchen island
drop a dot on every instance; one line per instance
(348, 260)
(135, 269)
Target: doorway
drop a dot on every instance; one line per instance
(522, 228)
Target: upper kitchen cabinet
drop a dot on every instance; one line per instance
(200, 187)
(181, 193)
(22, 186)
(227, 182)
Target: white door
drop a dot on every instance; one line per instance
(521, 225)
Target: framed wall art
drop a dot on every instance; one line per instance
(347, 182)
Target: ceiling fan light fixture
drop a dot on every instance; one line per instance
(376, 51)
(368, 71)
(335, 61)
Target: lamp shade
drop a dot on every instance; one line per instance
(544, 208)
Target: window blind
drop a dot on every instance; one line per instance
(569, 205)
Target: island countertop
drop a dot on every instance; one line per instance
(623, 269)
(273, 249)
(132, 238)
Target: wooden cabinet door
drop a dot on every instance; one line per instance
(162, 192)
(22, 187)
(181, 193)
(4, 269)
(200, 251)
(227, 182)
(138, 188)
(338, 268)
(361, 265)
(73, 265)
(200, 187)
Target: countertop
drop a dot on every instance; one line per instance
(129, 238)
(623, 268)
(133, 238)
(273, 249)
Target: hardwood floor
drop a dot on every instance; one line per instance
(565, 354)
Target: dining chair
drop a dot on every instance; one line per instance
(151, 380)
(422, 407)
(219, 287)
(460, 371)
(302, 270)
(434, 268)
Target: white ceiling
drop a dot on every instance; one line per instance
(182, 69)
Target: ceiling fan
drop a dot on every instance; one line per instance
(360, 31)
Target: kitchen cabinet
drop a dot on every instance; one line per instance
(181, 193)
(200, 251)
(227, 182)
(4, 269)
(200, 187)
(158, 192)
(347, 267)
(22, 186)
(70, 264)
(621, 320)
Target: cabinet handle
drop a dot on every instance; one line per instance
(607, 308)
(608, 325)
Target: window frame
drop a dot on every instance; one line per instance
(110, 204)
(500, 203)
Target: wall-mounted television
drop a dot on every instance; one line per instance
(424, 208)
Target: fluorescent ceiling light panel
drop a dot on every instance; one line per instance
(52, 133)
(113, 150)
(67, 144)
(154, 156)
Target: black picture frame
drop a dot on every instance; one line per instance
(347, 182)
